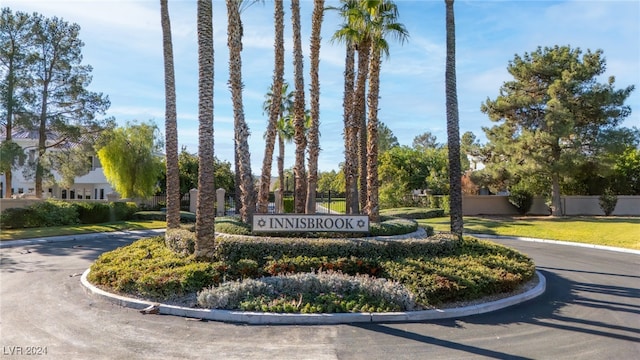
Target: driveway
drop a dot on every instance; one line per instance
(590, 311)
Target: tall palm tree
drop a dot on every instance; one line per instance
(453, 126)
(243, 156)
(170, 123)
(349, 36)
(384, 14)
(205, 213)
(298, 111)
(314, 132)
(284, 127)
(275, 111)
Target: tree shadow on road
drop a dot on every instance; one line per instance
(547, 310)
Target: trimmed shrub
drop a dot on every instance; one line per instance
(41, 214)
(92, 212)
(392, 226)
(608, 201)
(122, 210)
(185, 217)
(413, 213)
(17, 218)
(327, 292)
(148, 268)
(522, 200)
(232, 225)
(54, 213)
(262, 249)
(180, 241)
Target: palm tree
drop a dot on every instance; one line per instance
(278, 88)
(205, 214)
(314, 135)
(170, 124)
(284, 127)
(383, 23)
(298, 111)
(453, 126)
(243, 156)
(348, 35)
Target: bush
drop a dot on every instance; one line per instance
(608, 201)
(122, 210)
(232, 225)
(326, 292)
(395, 226)
(181, 241)
(439, 202)
(92, 212)
(17, 218)
(262, 249)
(522, 200)
(413, 213)
(185, 217)
(148, 268)
(41, 214)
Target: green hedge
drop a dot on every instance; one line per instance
(59, 213)
(263, 249)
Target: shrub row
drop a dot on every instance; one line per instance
(310, 293)
(262, 249)
(414, 213)
(148, 268)
(58, 213)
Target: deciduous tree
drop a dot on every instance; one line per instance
(130, 158)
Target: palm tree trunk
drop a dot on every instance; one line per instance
(359, 111)
(171, 126)
(350, 135)
(274, 111)
(205, 214)
(372, 209)
(314, 136)
(234, 43)
(299, 113)
(453, 126)
(281, 168)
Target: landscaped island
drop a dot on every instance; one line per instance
(314, 275)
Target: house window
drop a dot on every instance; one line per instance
(20, 191)
(101, 194)
(64, 193)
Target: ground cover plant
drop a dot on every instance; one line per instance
(597, 230)
(305, 275)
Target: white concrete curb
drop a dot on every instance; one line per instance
(299, 319)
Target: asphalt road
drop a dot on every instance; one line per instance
(591, 310)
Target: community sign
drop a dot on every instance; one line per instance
(309, 223)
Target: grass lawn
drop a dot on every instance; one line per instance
(610, 231)
(80, 229)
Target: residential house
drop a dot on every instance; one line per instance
(93, 185)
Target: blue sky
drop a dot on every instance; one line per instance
(123, 43)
